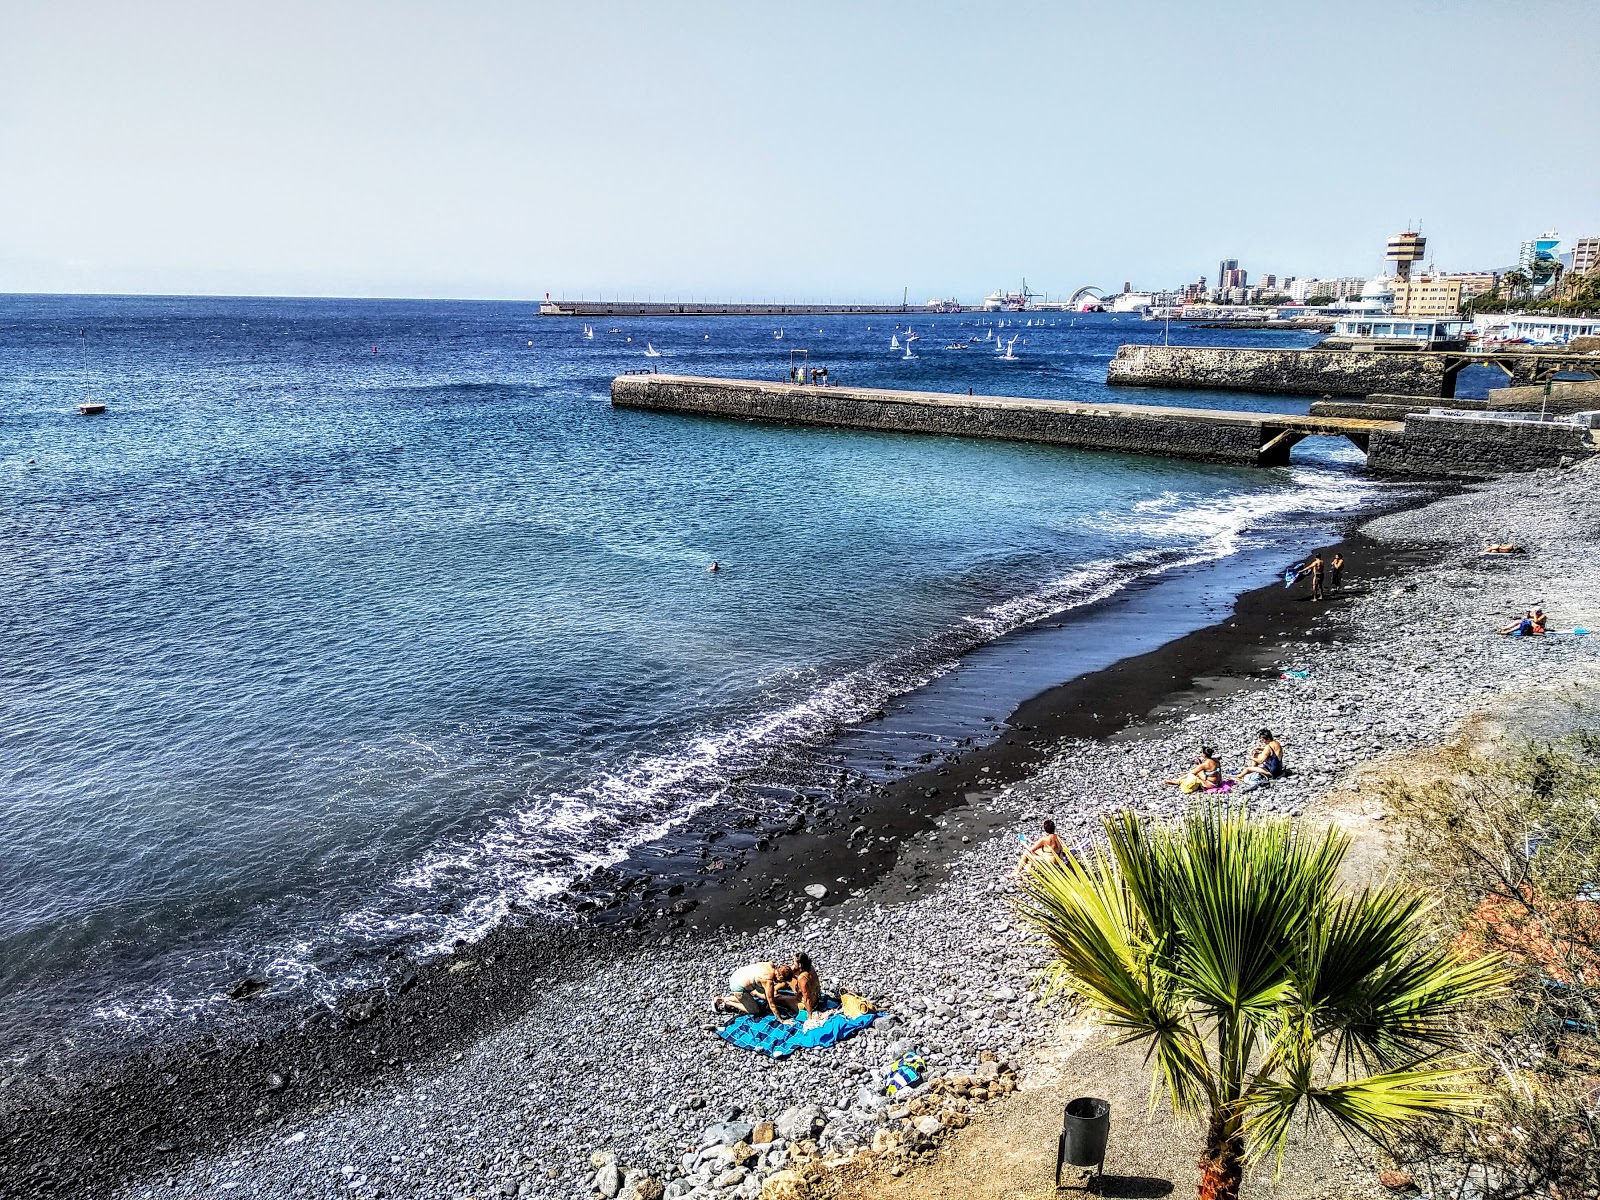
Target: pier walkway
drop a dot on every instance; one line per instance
(1209, 435)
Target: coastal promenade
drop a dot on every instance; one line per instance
(1419, 444)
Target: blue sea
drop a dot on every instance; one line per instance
(355, 624)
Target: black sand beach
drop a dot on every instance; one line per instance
(104, 1118)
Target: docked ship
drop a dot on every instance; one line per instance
(1003, 301)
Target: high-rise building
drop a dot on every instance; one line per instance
(1268, 281)
(1223, 267)
(1585, 255)
(1538, 258)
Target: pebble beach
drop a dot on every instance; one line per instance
(609, 1080)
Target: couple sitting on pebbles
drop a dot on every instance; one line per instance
(1266, 764)
(785, 990)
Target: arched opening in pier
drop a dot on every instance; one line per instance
(1473, 382)
(1318, 449)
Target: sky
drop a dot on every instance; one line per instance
(766, 151)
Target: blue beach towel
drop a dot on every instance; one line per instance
(767, 1035)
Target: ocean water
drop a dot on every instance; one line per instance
(354, 623)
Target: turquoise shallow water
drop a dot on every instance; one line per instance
(354, 622)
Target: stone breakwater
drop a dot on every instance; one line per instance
(1420, 444)
(613, 1079)
(1296, 372)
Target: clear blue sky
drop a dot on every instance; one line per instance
(754, 150)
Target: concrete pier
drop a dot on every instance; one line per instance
(1246, 439)
(1419, 444)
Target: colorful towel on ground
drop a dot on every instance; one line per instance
(767, 1035)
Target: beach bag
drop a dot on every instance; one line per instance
(853, 1005)
(908, 1071)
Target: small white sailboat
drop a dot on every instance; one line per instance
(894, 341)
(988, 335)
(912, 335)
(908, 353)
(650, 351)
(1010, 353)
(89, 408)
(778, 334)
(588, 333)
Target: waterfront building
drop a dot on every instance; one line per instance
(1429, 296)
(1473, 283)
(1223, 267)
(1585, 255)
(1535, 328)
(1414, 332)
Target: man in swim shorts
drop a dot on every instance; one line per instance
(754, 988)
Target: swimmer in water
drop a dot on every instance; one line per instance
(714, 567)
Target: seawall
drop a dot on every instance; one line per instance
(1420, 444)
(1476, 447)
(1300, 372)
(1246, 439)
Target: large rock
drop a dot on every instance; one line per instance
(608, 1179)
(799, 1123)
(726, 1133)
(785, 1185)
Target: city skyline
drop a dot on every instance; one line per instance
(508, 150)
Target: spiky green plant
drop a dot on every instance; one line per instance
(1262, 991)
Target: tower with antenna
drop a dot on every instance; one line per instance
(1405, 249)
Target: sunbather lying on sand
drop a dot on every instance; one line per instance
(1503, 548)
(1532, 622)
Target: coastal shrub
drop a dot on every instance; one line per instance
(1510, 841)
(1262, 991)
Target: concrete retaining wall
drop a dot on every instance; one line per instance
(1304, 372)
(1475, 449)
(1566, 395)
(1130, 429)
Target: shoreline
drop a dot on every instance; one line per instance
(271, 1065)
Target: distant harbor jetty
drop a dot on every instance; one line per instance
(692, 308)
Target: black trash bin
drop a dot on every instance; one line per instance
(1084, 1128)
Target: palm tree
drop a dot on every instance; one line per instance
(1220, 941)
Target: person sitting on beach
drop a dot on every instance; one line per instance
(754, 988)
(1204, 775)
(804, 995)
(1533, 622)
(1046, 848)
(1266, 760)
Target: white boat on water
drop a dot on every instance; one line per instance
(912, 335)
(908, 353)
(894, 341)
(650, 351)
(1011, 349)
(778, 334)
